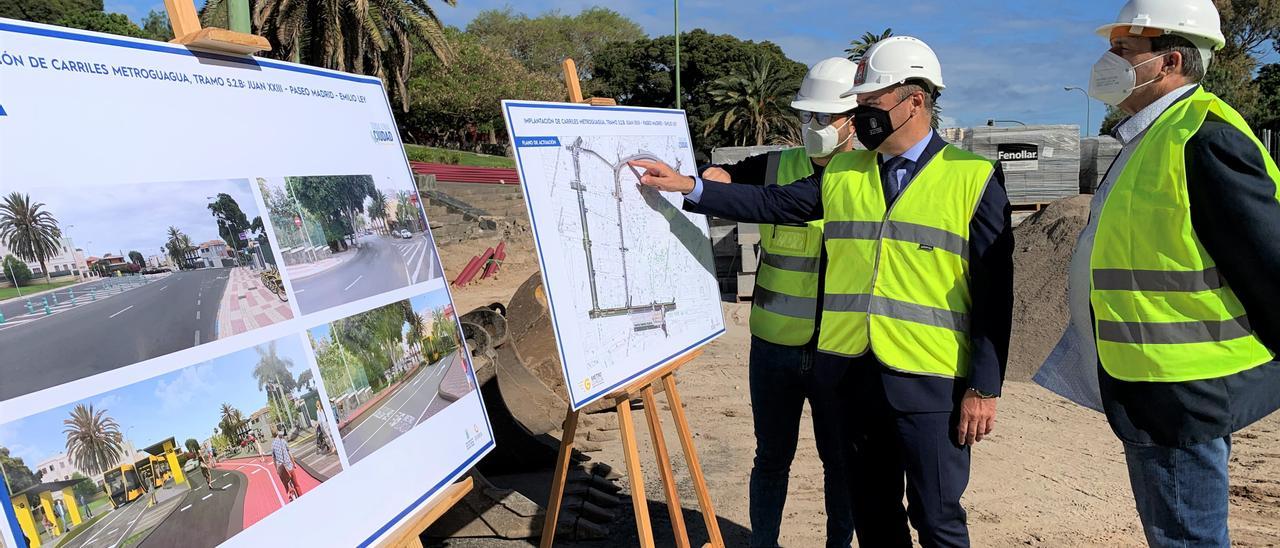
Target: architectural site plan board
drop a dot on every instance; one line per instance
(238, 345)
(629, 276)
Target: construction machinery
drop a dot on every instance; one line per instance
(517, 365)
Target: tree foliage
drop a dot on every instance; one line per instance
(231, 220)
(15, 271)
(340, 370)
(156, 26)
(541, 43)
(192, 445)
(452, 105)
(46, 11)
(639, 73)
(755, 106)
(94, 440)
(373, 37)
(178, 244)
(859, 46)
(29, 230)
(1248, 25)
(273, 376)
(98, 21)
(373, 338)
(17, 472)
(334, 201)
(87, 488)
(137, 258)
(1268, 84)
(231, 423)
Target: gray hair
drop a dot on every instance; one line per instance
(1193, 66)
(912, 86)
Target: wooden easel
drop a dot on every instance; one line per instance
(185, 21)
(641, 388)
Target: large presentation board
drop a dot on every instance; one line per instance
(186, 196)
(630, 277)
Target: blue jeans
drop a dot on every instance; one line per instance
(1181, 492)
(782, 377)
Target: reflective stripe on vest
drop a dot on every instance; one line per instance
(1162, 312)
(785, 300)
(897, 279)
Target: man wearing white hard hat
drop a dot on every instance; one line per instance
(917, 294)
(784, 313)
(1175, 317)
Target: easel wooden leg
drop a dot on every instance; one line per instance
(558, 479)
(691, 457)
(664, 468)
(634, 475)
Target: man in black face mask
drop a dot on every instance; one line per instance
(917, 294)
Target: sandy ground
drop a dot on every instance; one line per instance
(1051, 475)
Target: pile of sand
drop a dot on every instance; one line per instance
(1042, 255)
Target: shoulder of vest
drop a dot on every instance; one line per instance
(849, 159)
(955, 155)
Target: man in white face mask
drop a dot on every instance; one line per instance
(1175, 317)
(784, 309)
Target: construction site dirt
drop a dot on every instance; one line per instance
(1051, 474)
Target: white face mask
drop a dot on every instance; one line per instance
(1113, 79)
(821, 141)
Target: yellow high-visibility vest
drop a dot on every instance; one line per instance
(1161, 310)
(897, 279)
(785, 299)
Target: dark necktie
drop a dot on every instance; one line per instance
(892, 184)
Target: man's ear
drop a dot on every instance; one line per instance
(1173, 61)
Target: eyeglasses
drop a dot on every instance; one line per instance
(823, 118)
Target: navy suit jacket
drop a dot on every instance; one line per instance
(990, 266)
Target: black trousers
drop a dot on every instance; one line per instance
(890, 446)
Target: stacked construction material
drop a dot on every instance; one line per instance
(1041, 163)
(732, 155)
(1096, 155)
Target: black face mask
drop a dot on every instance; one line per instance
(873, 126)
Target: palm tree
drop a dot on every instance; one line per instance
(374, 37)
(378, 208)
(231, 424)
(94, 441)
(177, 244)
(31, 233)
(415, 326)
(754, 106)
(859, 46)
(406, 214)
(272, 373)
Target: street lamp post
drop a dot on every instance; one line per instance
(302, 222)
(1088, 107)
(677, 68)
(13, 276)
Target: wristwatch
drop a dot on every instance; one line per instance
(983, 395)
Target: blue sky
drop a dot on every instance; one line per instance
(1001, 59)
(183, 404)
(150, 209)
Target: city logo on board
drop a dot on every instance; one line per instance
(382, 133)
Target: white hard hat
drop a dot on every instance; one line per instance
(895, 60)
(824, 86)
(1195, 20)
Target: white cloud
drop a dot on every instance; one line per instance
(192, 382)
